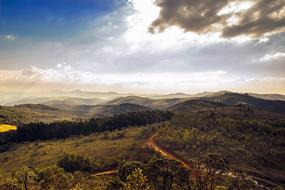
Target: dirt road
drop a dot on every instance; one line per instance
(172, 156)
(107, 172)
(167, 154)
(154, 146)
(151, 143)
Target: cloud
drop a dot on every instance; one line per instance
(274, 56)
(116, 50)
(64, 74)
(8, 37)
(233, 18)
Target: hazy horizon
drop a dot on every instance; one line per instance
(142, 94)
(48, 93)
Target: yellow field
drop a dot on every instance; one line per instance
(5, 128)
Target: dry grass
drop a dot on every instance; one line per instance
(97, 147)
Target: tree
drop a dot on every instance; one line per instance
(167, 174)
(54, 178)
(209, 171)
(127, 168)
(63, 129)
(137, 181)
(72, 163)
(25, 177)
(9, 183)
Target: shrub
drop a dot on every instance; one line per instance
(72, 163)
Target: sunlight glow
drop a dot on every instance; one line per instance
(236, 7)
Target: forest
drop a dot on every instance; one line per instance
(63, 129)
(252, 146)
(210, 148)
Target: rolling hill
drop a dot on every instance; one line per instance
(33, 112)
(147, 102)
(269, 96)
(56, 101)
(258, 103)
(68, 108)
(42, 113)
(87, 111)
(195, 104)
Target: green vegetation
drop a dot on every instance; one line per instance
(52, 178)
(72, 163)
(254, 146)
(103, 150)
(63, 129)
(27, 113)
(155, 174)
(32, 113)
(222, 147)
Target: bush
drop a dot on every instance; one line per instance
(54, 178)
(72, 163)
(127, 168)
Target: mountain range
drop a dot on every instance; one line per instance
(55, 108)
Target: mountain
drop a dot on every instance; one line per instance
(119, 109)
(147, 102)
(28, 101)
(171, 96)
(32, 113)
(133, 100)
(74, 101)
(210, 94)
(193, 104)
(87, 111)
(51, 101)
(42, 113)
(268, 96)
(261, 96)
(86, 94)
(235, 99)
(16, 98)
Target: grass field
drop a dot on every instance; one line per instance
(101, 148)
(5, 128)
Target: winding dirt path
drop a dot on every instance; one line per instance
(186, 164)
(167, 154)
(151, 143)
(154, 146)
(107, 172)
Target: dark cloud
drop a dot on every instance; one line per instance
(202, 16)
(191, 15)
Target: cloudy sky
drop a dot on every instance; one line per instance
(153, 46)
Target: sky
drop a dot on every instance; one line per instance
(149, 46)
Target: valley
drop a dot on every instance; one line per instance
(242, 135)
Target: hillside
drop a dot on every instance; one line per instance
(171, 96)
(249, 140)
(133, 100)
(51, 101)
(54, 109)
(235, 99)
(55, 112)
(16, 98)
(120, 109)
(229, 124)
(269, 96)
(147, 102)
(88, 111)
(32, 113)
(195, 104)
